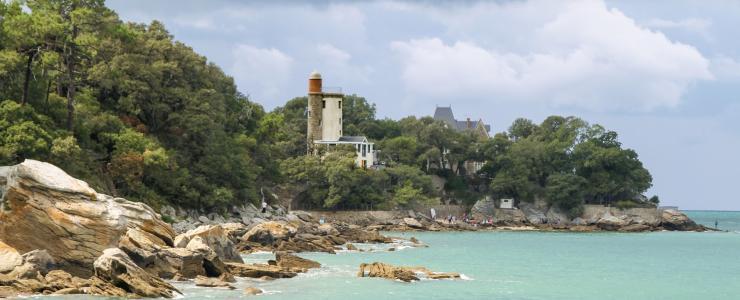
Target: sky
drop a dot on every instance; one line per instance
(664, 74)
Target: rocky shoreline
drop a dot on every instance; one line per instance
(59, 236)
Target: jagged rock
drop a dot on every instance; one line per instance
(351, 247)
(406, 274)
(387, 271)
(305, 217)
(215, 237)
(116, 267)
(234, 231)
(258, 271)
(212, 282)
(152, 254)
(299, 245)
(292, 262)
(533, 214)
(675, 220)
(413, 223)
(358, 235)
(44, 208)
(252, 291)
(269, 232)
(212, 263)
(9, 258)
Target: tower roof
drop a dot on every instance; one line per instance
(314, 75)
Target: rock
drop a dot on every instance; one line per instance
(234, 231)
(212, 282)
(35, 263)
(269, 232)
(44, 208)
(583, 228)
(579, 221)
(351, 247)
(216, 238)
(252, 291)
(533, 214)
(609, 222)
(115, 267)
(672, 219)
(406, 274)
(292, 262)
(483, 209)
(204, 220)
(635, 228)
(414, 240)
(305, 217)
(152, 254)
(328, 229)
(413, 223)
(258, 271)
(212, 263)
(9, 258)
(387, 271)
(358, 235)
(411, 214)
(227, 277)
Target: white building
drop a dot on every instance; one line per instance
(325, 123)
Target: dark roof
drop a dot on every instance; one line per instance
(354, 139)
(445, 114)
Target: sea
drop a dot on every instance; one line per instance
(522, 265)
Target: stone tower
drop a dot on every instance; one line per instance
(314, 111)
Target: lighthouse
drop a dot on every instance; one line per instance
(324, 123)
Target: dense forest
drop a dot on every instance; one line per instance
(140, 115)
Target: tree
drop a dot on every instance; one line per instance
(566, 191)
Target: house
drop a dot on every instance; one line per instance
(444, 114)
(480, 129)
(324, 115)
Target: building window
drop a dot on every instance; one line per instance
(323, 103)
(340, 104)
(364, 150)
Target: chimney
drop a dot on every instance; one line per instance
(468, 123)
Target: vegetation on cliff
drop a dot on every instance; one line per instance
(137, 114)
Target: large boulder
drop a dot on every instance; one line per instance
(259, 271)
(116, 267)
(405, 274)
(291, 262)
(269, 232)
(413, 223)
(212, 263)
(533, 213)
(45, 208)
(35, 263)
(157, 258)
(216, 238)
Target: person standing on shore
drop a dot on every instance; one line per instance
(716, 224)
(264, 206)
(433, 213)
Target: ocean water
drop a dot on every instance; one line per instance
(525, 265)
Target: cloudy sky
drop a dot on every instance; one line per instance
(664, 74)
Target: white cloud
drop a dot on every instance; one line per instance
(726, 68)
(332, 53)
(261, 72)
(695, 25)
(585, 56)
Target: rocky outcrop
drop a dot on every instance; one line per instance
(9, 258)
(672, 219)
(116, 267)
(44, 208)
(212, 282)
(483, 209)
(413, 223)
(212, 263)
(216, 238)
(291, 262)
(405, 274)
(269, 233)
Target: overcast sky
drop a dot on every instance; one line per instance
(664, 74)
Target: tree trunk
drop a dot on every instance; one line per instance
(71, 80)
(27, 79)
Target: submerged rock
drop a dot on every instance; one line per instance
(252, 291)
(405, 274)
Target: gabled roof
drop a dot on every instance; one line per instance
(442, 113)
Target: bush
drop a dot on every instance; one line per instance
(625, 204)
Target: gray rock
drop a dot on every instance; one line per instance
(204, 220)
(533, 214)
(483, 208)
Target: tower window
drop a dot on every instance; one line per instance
(323, 103)
(340, 104)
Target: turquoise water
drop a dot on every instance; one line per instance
(527, 265)
(726, 220)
